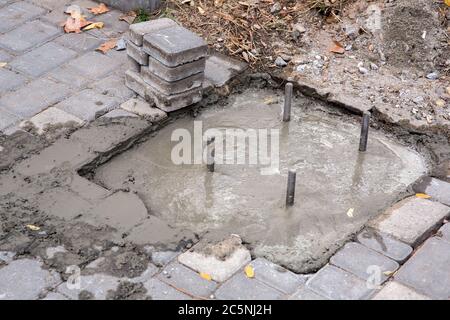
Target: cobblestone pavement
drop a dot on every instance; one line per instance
(56, 78)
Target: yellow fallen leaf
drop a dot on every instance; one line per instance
(422, 196)
(447, 2)
(101, 8)
(388, 273)
(249, 271)
(3, 64)
(350, 212)
(105, 47)
(33, 227)
(205, 276)
(95, 25)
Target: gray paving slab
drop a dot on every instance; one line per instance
(28, 35)
(396, 291)
(175, 73)
(305, 294)
(17, 13)
(188, 281)
(114, 85)
(439, 190)
(336, 284)
(95, 65)
(169, 103)
(88, 104)
(10, 80)
(34, 97)
(98, 285)
(134, 81)
(113, 26)
(158, 290)
(174, 46)
(137, 53)
(276, 276)
(239, 287)
(444, 232)
(384, 244)
(5, 56)
(43, 59)
(411, 220)
(70, 76)
(360, 261)
(80, 42)
(220, 69)
(428, 270)
(138, 30)
(25, 279)
(170, 88)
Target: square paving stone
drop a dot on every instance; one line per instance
(239, 287)
(50, 118)
(428, 270)
(411, 220)
(48, 4)
(80, 42)
(220, 69)
(5, 57)
(159, 290)
(444, 232)
(7, 119)
(384, 244)
(114, 86)
(98, 284)
(70, 76)
(439, 190)
(88, 104)
(179, 276)
(170, 88)
(337, 284)
(175, 73)
(10, 80)
(94, 65)
(43, 59)
(137, 53)
(17, 13)
(359, 260)
(138, 30)
(25, 279)
(28, 36)
(34, 97)
(396, 291)
(174, 46)
(113, 26)
(306, 294)
(276, 276)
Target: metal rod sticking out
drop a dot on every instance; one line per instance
(211, 153)
(287, 102)
(290, 194)
(364, 132)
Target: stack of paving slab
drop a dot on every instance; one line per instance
(167, 64)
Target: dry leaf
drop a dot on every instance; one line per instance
(447, 2)
(205, 276)
(129, 17)
(388, 273)
(95, 25)
(337, 48)
(350, 212)
(249, 271)
(422, 196)
(101, 8)
(201, 10)
(245, 55)
(440, 103)
(3, 64)
(75, 24)
(105, 47)
(33, 227)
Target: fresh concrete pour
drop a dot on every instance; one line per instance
(338, 188)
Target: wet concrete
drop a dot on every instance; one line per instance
(338, 188)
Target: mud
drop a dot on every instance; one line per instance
(333, 179)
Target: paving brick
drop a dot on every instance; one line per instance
(428, 270)
(94, 65)
(88, 104)
(138, 30)
(79, 42)
(276, 276)
(175, 73)
(6, 256)
(144, 109)
(43, 59)
(137, 53)
(28, 36)
(158, 290)
(385, 244)
(133, 65)
(187, 280)
(113, 26)
(411, 220)
(10, 80)
(174, 46)
(306, 294)
(121, 211)
(162, 258)
(51, 118)
(47, 4)
(70, 76)
(336, 284)
(98, 285)
(34, 97)
(25, 280)
(396, 291)
(87, 189)
(357, 259)
(119, 113)
(239, 287)
(17, 13)
(439, 190)
(169, 88)
(220, 69)
(176, 101)
(134, 81)
(444, 232)
(5, 57)
(114, 86)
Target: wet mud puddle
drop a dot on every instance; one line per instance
(338, 189)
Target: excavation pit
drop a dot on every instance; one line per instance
(338, 188)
